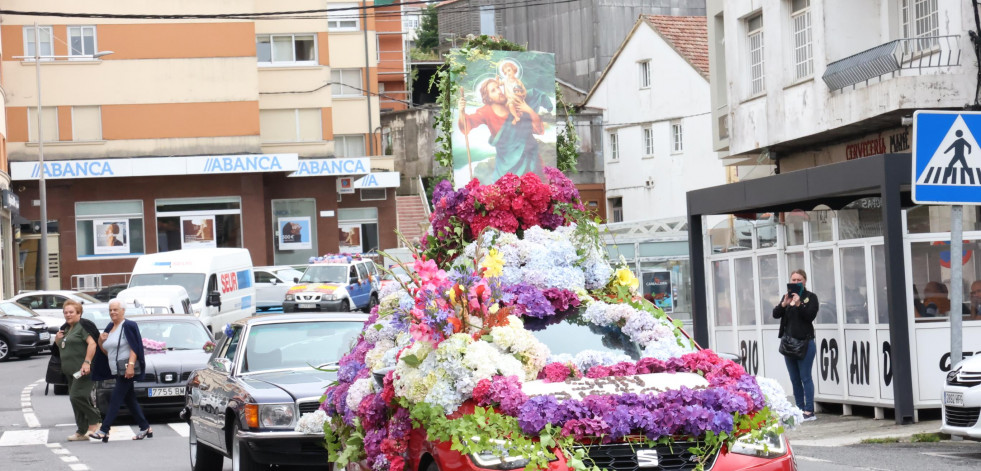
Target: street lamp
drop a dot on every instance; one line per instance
(42, 249)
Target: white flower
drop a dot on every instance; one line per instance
(776, 398)
(358, 391)
(312, 422)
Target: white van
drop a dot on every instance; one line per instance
(164, 299)
(218, 281)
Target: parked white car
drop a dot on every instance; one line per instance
(49, 303)
(272, 283)
(962, 399)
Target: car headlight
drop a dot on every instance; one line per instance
(499, 456)
(770, 445)
(328, 297)
(22, 327)
(289, 296)
(952, 376)
(197, 313)
(276, 415)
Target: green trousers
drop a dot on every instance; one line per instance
(80, 396)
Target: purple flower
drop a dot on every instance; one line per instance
(536, 413)
(528, 300)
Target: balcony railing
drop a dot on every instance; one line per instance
(893, 57)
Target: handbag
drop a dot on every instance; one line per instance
(54, 375)
(792, 347)
(121, 364)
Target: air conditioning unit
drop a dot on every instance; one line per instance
(89, 282)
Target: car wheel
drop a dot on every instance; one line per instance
(203, 458)
(61, 390)
(241, 458)
(345, 306)
(371, 303)
(4, 349)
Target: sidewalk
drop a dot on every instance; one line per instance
(832, 429)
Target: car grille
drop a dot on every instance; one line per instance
(307, 297)
(152, 378)
(966, 378)
(623, 457)
(961, 416)
(307, 407)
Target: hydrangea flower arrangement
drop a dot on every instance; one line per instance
(453, 357)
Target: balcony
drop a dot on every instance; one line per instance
(909, 55)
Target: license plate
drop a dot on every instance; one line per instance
(308, 306)
(162, 392)
(45, 335)
(953, 399)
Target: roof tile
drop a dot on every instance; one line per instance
(686, 34)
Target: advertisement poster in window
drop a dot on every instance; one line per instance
(349, 238)
(504, 119)
(198, 232)
(111, 236)
(657, 289)
(294, 233)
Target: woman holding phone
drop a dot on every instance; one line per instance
(796, 312)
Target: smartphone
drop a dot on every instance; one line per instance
(797, 288)
(78, 374)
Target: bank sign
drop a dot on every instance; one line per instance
(946, 157)
(332, 167)
(155, 166)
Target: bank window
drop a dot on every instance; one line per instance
(47, 39)
(745, 299)
(343, 17)
(373, 194)
(49, 124)
(614, 147)
(86, 123)
(81, 41)
(821, 281)
(185, 223)
(286, 49)
(754, 26)
(109, 229)
(770, 287)
(291, 125)
(801, 18)
(346, 82)
(644, 73)
(357, 230)
(349, 146)
(855, 291)
(677, 137)
(648, 141)
(723, 300)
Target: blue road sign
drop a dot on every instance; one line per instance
(946, 157)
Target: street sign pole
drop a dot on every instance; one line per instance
(956, 283)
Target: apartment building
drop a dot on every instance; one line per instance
(196, 132)
(825, 91)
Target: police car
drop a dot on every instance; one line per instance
(339, 283)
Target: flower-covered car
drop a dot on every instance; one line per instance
(337, 283)
(517, 345)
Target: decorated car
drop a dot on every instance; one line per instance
(516, 344)
(335, 283)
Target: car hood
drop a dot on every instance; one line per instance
(176, 361)
(972, 364)
(652, 383)
(300, 383)
(13, 320)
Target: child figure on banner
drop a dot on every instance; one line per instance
(514, 89)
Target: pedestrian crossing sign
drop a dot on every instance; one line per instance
(946, 157)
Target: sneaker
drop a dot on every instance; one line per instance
(810, 417)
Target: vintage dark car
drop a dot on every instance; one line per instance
(180, 340)
(265, 373)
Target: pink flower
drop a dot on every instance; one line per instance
(555, 373)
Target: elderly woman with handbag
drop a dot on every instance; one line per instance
(76, 346)
(121, 359)
(797, 311)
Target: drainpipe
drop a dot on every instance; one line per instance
(367, 76)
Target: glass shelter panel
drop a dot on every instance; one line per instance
(745, 301)
(770, 292)
(723, 303)
(860, 219)
(879, 278)
(793, 223)
(821, 281)
(854, 286)
(820, 225)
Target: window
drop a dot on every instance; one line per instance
(614, 147)
(86, 123)
(821, 280)
(81, 41)
(677, 137)
(745, 301)
(349, 146)
(487, 25)
(755, 28)
(357, 229)
(49, 123)
(771, 289)
(47, 39)
(854, 286)
(616, 209)
(644, 69)
(346, 82)
(648, 141)
(723, 299)
(291, 125)
(374, 194)
(801, 18)
(286, 49)
(920, 20)
(109, 229)
(184, 223)
(344, 17)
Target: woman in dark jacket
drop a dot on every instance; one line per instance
(121, 348)
(796, 312)
(77, 346)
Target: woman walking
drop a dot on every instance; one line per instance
(797, 311)
(122, 345)
(76, 345)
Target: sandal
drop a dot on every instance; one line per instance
(148, 433)
(77, 437)
(100, 435)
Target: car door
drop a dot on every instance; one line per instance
(266, 289)
(364, 285)
(211, 391)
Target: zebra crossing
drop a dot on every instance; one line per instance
(117, 433)
(956, 176)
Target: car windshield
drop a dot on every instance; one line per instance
(298, 345)
(193, 283)
(14, 309)
(175, 334)
(98, 315)
(85, 297)
(288, 274)
(325, 274)
(569, 334)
